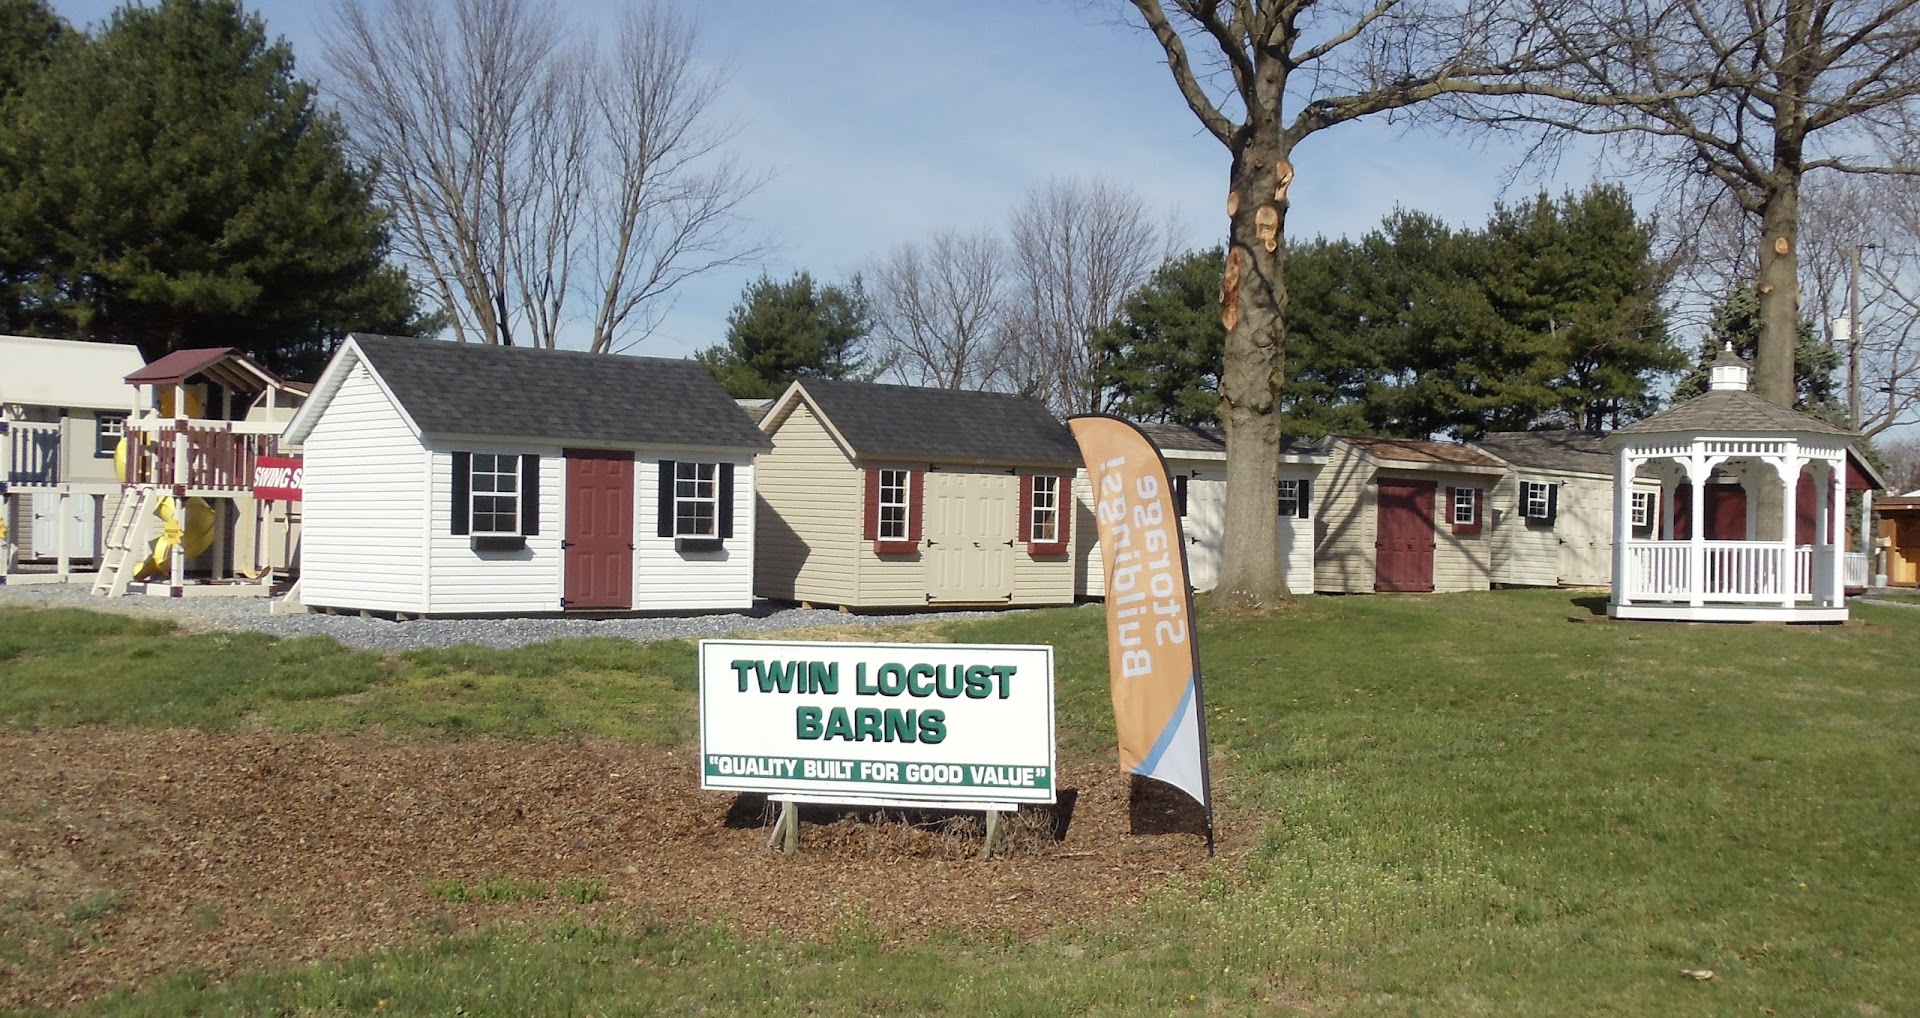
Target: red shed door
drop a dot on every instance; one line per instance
(1726, 513)
(599, 548)
(1403, 543)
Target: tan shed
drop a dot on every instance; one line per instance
(1403, 515)
(894, 496)
(1552, 514)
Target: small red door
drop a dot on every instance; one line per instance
(1403, 542)
(1726, 513)
(599, 533)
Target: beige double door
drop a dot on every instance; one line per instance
(970, 536)
(1584, 523)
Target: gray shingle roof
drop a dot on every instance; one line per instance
(1203, 438)
(1578, 451)
(907, 422)
(1730, 411)
(564, 396)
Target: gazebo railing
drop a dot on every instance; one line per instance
(1736, 571)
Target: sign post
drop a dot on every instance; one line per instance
(954, 726)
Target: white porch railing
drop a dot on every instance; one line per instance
(32, 454)
(1856, 569)
(1731, 571)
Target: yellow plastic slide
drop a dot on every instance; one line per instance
(196, 530)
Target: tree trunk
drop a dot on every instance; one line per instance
(1253, 302)
(1779, 294)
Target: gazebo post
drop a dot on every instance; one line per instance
(1837, 520)
(1697, 541)
(1623, 468)
(1788, 469)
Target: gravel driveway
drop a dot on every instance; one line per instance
(249, 613)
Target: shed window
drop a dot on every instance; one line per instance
(107, 429)
(1296, 495)
(895, 505)
(1043, 520)
(696, 504)
(696, 499)
(495, 495)
(1646, 505)
(1466, 506)
(1537, 500)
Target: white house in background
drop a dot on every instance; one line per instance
(1551, 518)
(1197, 466)
(455, 479)
(62, 407)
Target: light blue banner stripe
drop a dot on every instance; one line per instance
(1152, 762)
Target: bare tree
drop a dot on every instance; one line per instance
(1903, 463)
(517, 165)
(1733, 101)
(669, 196)
(1078, 251)
(1286, 70)
(940, 310)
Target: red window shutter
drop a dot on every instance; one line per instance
(873, 505)
(1067, 509)
(916, 505)
(1023, 521)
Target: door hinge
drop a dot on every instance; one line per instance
(565, 544)
(930, 542)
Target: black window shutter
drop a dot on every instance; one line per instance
(529, 495)
(462, 488)
(1304, 489)
(1553, 502)
(726, 500)
(1180, 494)
(664, 517)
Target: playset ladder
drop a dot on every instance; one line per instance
(126, 541)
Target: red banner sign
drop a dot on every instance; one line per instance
(277, 477)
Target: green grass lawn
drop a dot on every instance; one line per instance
(1449, 805)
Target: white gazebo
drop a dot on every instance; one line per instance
(1749, 524)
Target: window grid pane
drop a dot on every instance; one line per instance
(696, 499)
(893, 505)
(1044, 525)
(1290, 498)
(1463, 499)
(493, 496)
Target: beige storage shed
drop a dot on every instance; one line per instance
(894, 496)
(1403, 515)
(1551, 521)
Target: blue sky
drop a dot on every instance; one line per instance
(881, 122)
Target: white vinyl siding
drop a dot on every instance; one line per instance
(668, 578)
(1089, 566)
(365, 484)
(463, 581)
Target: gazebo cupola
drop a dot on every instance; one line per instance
(1749, 523)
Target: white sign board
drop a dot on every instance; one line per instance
(940, 722)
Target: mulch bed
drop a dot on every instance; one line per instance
(127, 854)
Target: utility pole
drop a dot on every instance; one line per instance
(1853, 344)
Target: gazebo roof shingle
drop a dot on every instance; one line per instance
(1730, 411)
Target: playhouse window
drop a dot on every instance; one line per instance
(1466, 506)
(1644, 505)
(107, 429)
(894, 505)
(1043, 523)
(1536, 500)
(1289, 498)
(696, 499)
(495, 495)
